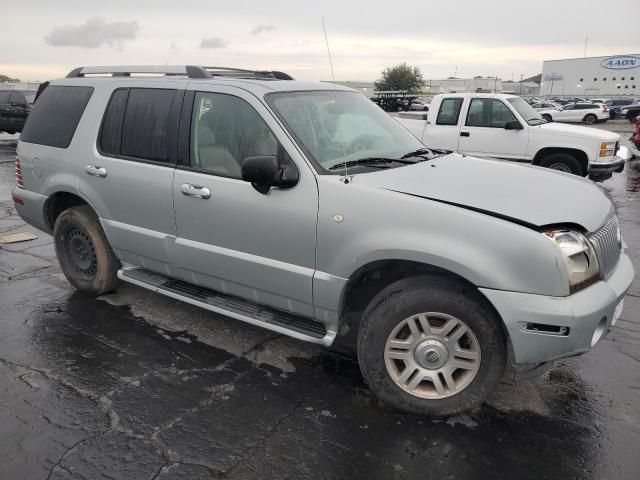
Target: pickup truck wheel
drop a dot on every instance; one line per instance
(84, 254)
(563, 162)
(547, 117)
(590, 119)
(430, 345)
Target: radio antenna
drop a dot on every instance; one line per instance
(333, 81)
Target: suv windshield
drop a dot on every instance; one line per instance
(335, 127)
(526, 111)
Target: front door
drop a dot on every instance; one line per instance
(232, 238)
(484, 132)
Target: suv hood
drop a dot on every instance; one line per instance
(577, 131)
(528, 195)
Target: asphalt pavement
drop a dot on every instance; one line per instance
(134, 385)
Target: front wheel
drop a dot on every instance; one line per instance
(564, 163)
(83, 251)
(547, 117)
(590, 119)
(431, 345)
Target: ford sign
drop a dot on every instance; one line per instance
(621, 63)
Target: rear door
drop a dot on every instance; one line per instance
(5, 110)
(484, 132)
(19, 110)
(445, 131)
(231, 237)
(128, 174)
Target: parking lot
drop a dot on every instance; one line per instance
(135, 385)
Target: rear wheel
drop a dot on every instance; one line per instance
(564, 163)
(590, 119)
(84, 254)
(431, 345)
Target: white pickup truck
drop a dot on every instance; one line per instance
(507, 127)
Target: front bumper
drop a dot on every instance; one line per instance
(579, 320)
(603, 168)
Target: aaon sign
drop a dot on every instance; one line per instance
(621, 63)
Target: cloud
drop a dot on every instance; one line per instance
(262, 28)
(94, 33)
(214, 42)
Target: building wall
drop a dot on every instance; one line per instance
(452, 85)
(612, 76)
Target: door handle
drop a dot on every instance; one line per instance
(465, 134)
(195, 191)
(96, 171)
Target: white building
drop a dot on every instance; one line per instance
(456, 85)
(612, 76)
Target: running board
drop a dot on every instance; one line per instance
(295, 326)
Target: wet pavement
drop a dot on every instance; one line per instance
(134, 385)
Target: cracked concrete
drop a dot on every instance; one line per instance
(138, 386)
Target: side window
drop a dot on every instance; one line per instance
(111, 131)
(224, 131)
(55, 117)
(449, 111)
(488, 112)
(145, 128)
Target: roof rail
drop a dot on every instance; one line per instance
(190, 71)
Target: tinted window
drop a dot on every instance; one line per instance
(111, 133)
(449, 111)
(4, 97)
(54, 119)
(224, 131)
(488, 112)
(145, 126)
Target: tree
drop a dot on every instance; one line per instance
(400, 77)
(4, 78)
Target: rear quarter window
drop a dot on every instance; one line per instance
(55, 117)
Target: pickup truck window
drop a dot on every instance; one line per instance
(449, 111)
(488, 112)
(335, 127)
(528, 114)
(224, 131)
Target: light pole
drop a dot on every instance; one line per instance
(521, 84)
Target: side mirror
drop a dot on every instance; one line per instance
(265, 171)
(513, 125)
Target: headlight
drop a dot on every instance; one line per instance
(607, 149)
(579, 258)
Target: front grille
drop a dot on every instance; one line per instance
(607, 245)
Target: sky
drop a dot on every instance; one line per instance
(44, 39)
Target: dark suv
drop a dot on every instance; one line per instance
(15, 106)
(615, 106)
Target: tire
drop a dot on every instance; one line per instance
(564, 163)
(590, 119)
(547, 117)
(84, 253)
(444, 301)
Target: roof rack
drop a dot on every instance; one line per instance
(191, 71)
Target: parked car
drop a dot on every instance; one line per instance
(223, 195)
(616, 105)
(419, 105)
(588, 113)
(14, 109)
(597, 100)
(504, 126)
(547, 106)
(630, 112)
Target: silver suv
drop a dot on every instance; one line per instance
(305, 209)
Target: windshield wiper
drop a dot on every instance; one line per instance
(369, 161)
